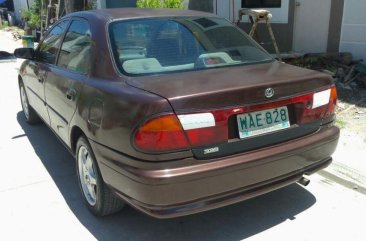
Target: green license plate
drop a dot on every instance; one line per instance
(261, 122)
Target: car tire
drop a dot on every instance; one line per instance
(96, 194)
(31, 116)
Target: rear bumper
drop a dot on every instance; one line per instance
(177, 191)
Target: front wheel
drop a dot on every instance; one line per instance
(97, 196)
(30, 114)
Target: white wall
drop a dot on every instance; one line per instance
(353, 36)
(19, 5)
(311, 26)
(101, 4)
(225, 9)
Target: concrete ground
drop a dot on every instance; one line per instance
(40, 199)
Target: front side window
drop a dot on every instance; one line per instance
(76, 47)
(48, 48)
(148, 46)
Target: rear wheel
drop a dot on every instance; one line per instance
(97, 196)
(30, 114)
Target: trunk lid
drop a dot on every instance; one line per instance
(232, 86)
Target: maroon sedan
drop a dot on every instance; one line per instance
(175, 112)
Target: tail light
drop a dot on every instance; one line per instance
(168, 133)
(332, 102)
(161, 134)
(320, 105)
(192, 130)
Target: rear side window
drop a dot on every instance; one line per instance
(76, 47)
(48, 49)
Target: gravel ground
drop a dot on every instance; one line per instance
(349, 163)
(351, 109)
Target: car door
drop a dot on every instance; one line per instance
(37, 69)
(66, 78)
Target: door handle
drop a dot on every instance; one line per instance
(41, 75)
(70, 94)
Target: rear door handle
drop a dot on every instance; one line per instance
(70, 94)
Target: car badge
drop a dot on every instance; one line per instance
(269, 93)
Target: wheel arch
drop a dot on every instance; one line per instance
(76, 132)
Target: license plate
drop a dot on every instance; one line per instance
(261, 122)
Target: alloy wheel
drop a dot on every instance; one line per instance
(87, 175)
(24, 100)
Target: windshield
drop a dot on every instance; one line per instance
(150, 46)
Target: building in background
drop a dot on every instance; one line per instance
(307, 26)
(353, 30)
(299, 25)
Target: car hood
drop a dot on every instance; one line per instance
(231, 86)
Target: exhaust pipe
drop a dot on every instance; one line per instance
(304, 181)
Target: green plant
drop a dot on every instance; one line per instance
(340, 124)
(173, 4)
(35, 21)
(33, 16)
(312, 59)
(148, 4)
(160, 4)
(26, 14)
(89, 5)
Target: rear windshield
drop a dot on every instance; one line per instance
(150, 46)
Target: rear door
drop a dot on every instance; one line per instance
(66, 78)
(37, 70)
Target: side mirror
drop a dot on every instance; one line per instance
(24, 53)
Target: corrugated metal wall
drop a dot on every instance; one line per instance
(353, 37)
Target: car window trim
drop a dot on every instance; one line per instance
(63, 38)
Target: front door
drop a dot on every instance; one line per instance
(37, 70)
(311, 26)
(34, 75)
(65, 79)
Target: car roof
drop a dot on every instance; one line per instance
(129, 13)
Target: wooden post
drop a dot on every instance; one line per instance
(273, 39)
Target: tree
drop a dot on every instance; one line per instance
(33, 16)
(160, 4)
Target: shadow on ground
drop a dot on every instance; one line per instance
(235, 222)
